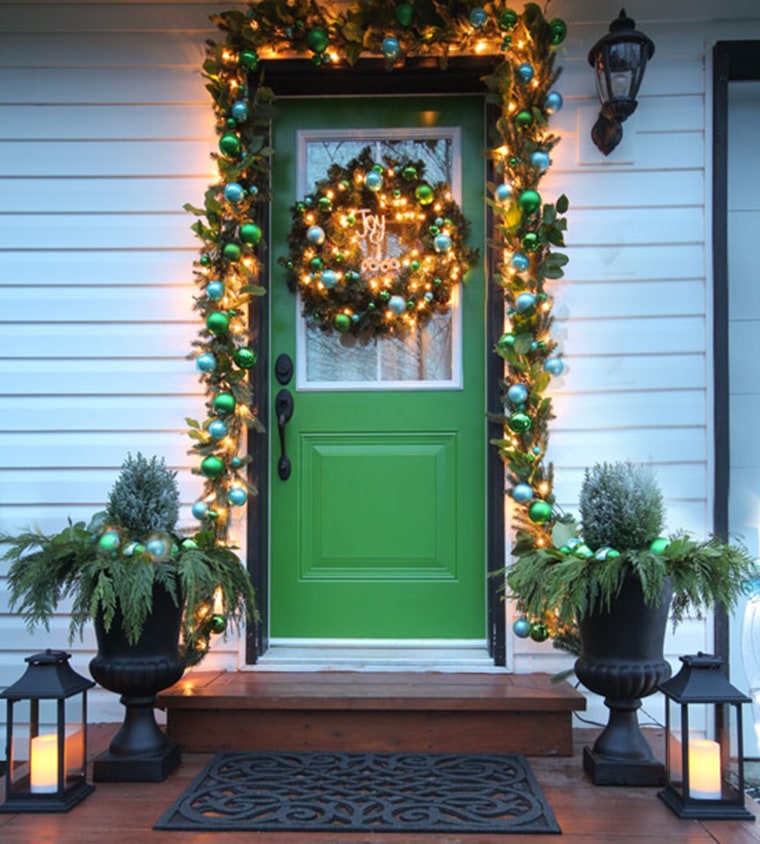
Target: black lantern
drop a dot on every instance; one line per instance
(46, 743)
(699, 781)
(619, 60)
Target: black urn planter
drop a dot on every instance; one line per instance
(140, 751)
(622, 659)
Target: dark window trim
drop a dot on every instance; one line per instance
(298, 77)
(733, 61)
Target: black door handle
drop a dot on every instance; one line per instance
(283, 408)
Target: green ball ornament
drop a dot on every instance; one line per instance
(505, 342)
(520, 423)
(248, 60)
(582, 551)
(523, 118)
(409, 174)
(229, 145)
(204, 260)
(507, 20)
(558, 31)
(224, 403)
(231, 252)
(245, 358)
(212, 467)
(530, 242)
(250, 233)
(342, 322)
(529, 201)
(404, 14)
(217, 323)
(424, 194)
(539, 632)
(658, 546)
(217, 624)
(317, 39)
(109, 541)
(539, 512)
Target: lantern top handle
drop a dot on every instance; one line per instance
(622, 28)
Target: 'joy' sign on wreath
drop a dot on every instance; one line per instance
(376, 249)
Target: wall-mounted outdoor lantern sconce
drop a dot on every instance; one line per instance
(619, 59)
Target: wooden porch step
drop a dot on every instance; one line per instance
(381, 711)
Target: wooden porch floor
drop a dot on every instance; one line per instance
(124, 813)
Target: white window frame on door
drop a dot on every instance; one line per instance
(454, 136)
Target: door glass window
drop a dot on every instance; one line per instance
(428, 357)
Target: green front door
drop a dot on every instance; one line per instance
(379, 530)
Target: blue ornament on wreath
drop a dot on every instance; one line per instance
(553, 102)
(522, 493)
(521, 628)
(391, 47)
(373, 181)
(237, 496)
(540, 160)
(525, 72)
(524, 302)
(442, 243)
(239, 110)
(503, 192)
(205, 362)
(517, 394)
(397, 304)
(234, 193)
(215, 290)
(217, 429)
(315, 235)
(478, 17)
(200, 510)
(554, 366)
(329, 278)
(520, 262)
(157, 547)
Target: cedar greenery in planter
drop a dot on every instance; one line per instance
(110, 566)
(622, 517)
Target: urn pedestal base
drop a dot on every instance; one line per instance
(605, 771)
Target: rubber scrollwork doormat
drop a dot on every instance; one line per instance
(363, 792)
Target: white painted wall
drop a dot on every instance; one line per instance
(105, 131)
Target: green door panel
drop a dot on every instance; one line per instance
(379, 532)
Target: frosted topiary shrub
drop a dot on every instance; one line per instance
(145, 497)
(621, 506)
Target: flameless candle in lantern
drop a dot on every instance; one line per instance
(702, 779)
(46, 736)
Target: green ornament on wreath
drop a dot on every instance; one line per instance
(375, 249)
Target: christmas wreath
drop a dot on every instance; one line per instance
(375, 249)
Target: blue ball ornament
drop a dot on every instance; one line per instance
(442, 243)
(554, 366)
(520, 262)
(200, 510)
(236, 462)
(540, 160)
(157, 547)
(315, 235)
(373, 180)
(553, 102)
(234, 193)
(205, 362)
(517, 394)
(522, 493)
(329, 278)
(429, 296)
(391, 47)
(217, 429)
(503, 192)
(525, 71)
(239, 110)
(521, 628)
(478, 17)
(397, 304)
(237, 496)
(215, 290)
(524, 302)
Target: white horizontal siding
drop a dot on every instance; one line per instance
(106, 131)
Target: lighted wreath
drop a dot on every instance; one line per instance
(375, 248)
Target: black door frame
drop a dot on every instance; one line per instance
(299, 77)
(733, 61)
